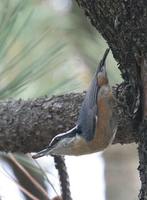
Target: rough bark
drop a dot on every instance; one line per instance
(28, 126)
(123, 23)
(142, 149)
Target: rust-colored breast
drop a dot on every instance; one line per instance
(104, 129)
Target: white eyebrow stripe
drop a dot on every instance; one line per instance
(62, 134)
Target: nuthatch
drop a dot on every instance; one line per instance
(96, 126)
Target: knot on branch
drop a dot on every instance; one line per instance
(128, 99)
(127, 109)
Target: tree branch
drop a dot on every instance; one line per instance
(28, 126)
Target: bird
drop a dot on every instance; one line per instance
(96, 125)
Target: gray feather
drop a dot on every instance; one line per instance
(89, 111)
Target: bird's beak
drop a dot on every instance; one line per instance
(59, 145)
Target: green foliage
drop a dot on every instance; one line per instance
(36, 48)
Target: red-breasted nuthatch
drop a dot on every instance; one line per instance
(96, 125)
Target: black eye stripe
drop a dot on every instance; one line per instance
(54, 141)
(62, 136)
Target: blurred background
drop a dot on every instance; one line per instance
(49, 47)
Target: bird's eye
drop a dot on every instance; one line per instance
(54, 141)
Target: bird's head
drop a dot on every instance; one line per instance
(68, 143)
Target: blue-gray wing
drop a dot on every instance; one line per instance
(89, 111)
